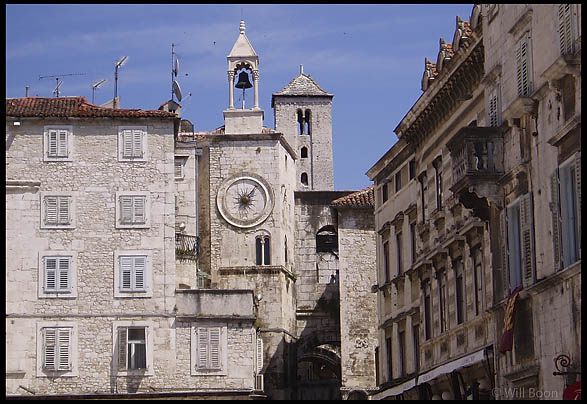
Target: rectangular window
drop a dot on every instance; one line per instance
(427, 312)
(438, 180)
(523, 58)
(384, 194)
(459, 291)
(412, 169)
(56, 349)
(387, 272)
(422, 180)
(132, 209)
(413, 241)
(478, 280)
(399, 245)
(57, 143)
(132, 273)
(132, 143)
(389, 358)
(519, 218)
(398, 181)
(132, 345)
(377, 372)
(514, 248)
(442, 297)
(208, 346)
(493, 108)
(57, 210)
(416, 337)
(566, 29)
(402, 353)
(57, 278)
(178, 168)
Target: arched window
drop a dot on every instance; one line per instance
(304, 179)
(308, 119)
(262, 250)
(304, 152)
(301, 122)
(327, 239)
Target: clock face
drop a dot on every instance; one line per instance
(244, 200)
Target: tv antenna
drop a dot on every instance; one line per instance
(175, 89)
(95, 86)
(119, 63)
(59, 82)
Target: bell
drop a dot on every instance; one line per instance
(243, 81)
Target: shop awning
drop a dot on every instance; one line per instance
(463, 362)
(395, 390)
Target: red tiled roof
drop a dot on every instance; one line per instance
(360, 199)
(77, 107)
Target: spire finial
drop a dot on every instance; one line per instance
(301, 69)
(242, 27)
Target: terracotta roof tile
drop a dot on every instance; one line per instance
(77, 107)
(360, 199)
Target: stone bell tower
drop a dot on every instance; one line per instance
(243, 59)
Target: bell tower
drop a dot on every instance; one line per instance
(303, 114)
(243, 63)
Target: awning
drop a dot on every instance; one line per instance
(395, 390)
(463, 362)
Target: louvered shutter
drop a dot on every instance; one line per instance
(137, 140)
(126, 265)
(63, 216)
(64, 273)
(505, 251)
(565, 29)
(556, 220)
(50, 274)
(138, 209)
(49, 348)
(64, 349)
(578, 198)
(214, 335)
(259, 354)
(178, 169)
(527, 239)
(139, 273)
(122, 348)
(523, 71)
(52, 143)
(493, 106)
(126, 205)
(127, 143)
(62, 144)
(203, 347)
(51, 210)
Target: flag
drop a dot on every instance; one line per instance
(507, 338)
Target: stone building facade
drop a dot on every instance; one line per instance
(477, 164)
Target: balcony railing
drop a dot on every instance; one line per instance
(186, 246)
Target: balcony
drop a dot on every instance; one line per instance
(477, 164)
(186, 246)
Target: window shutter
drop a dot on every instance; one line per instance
(126, 205)
(214, 347)
(63, 211)
(259, 354)
(527, 241)
(52, 143)
(505, 251)
(178, 169)
(127, 143)
(137, 143)
(565, 29)
(51, 210)
(122, 347)
(50, 274)
(523, 67)
(138, 209)
(493, 108)
(139, 273)
(578, 196)
(64, 351)
(556, 220)
(62, 144)
(49, 347)
(64, 273)
(126, 265)
(203, 346)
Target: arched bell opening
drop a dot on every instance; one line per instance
(243, 74)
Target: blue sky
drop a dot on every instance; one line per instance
(371, 57)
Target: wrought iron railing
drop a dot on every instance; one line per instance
(186, 246)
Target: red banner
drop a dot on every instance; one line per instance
(507, 338)
(572, 392)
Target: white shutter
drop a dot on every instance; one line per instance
(50, 274)
(126, 265)
(62, 144)
(203, 347)
(52, 143)
(138, 209)
(51, 210)
(259, 354)
(565, 29)
(523, 68)
(49, 348)
(556, 220)
(122, 348)
(127, 143)
(63, 216)
(126, 205)
(139, 273)
(527, 239)
(64, 349)
(214, 347)
(64, 274)
(137, 143)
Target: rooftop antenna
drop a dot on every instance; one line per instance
(59, 82)
(175, 89)
(95, 87)
(119, 63)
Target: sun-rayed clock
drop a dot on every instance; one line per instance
(245, 200)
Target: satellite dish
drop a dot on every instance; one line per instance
(176, 90)
(176, 70)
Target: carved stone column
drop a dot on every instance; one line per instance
(256, 85)
(231, 89)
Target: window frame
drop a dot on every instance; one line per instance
(68, 144)
(179, 162)
(222, 369)
(71, 291)
(523, 65)
(147, 291)
(63, 198)
(72, 350)
(148, 326)
(144, 144)
(146, 210)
